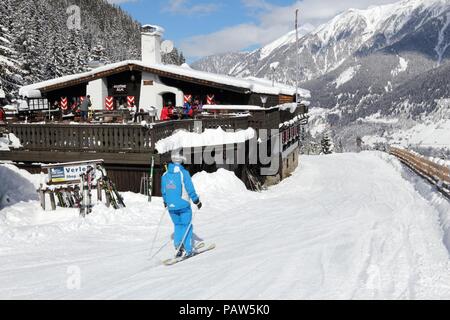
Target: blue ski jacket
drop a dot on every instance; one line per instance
(177, 188)
(187, 108)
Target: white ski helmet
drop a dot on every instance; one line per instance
(177, 157)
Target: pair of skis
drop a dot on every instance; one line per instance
(68, 198)
(86, 192)
(113, 196)
(201, 248)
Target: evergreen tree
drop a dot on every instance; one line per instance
(10, 74)
(98, 55)
(327, 144)
(174, 57)
(359, 144)
(36, 44)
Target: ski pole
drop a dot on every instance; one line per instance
(150, 183)
(159, 250)
(185, 234)
(157, 232)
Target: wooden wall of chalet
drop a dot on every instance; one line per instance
(272, 100)
(222, 95)
(286, 99)
(255, 100)
(133, 88)
(267, 119)
(287, 115)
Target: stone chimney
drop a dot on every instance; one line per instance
(151, 43)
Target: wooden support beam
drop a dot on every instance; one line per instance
(133, 159)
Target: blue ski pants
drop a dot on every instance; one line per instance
(182, 220)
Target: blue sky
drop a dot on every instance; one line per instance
(206, 27)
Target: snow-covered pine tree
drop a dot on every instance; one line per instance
(36, 44)
(175, 58)
(98, 55)
(327, 144)
(10, 74)
(77, 53)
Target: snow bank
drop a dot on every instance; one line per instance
(210, 137)
(427, 191)
(222, 183)
(14, 187)
(12, 143)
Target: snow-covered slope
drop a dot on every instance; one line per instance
(376, 237)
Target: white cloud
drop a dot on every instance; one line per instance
(272, 22)
(185, 7)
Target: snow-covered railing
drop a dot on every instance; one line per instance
(82, 138)
(290, 131)
(109, 138)
(432, 171)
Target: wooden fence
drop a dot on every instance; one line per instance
(435, 173)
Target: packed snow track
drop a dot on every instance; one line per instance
(347, 226)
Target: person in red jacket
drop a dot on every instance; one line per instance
(167, 112)
(2, 115)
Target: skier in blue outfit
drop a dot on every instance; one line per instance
(177, 191)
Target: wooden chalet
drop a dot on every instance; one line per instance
(126, 147)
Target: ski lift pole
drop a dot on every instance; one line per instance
(150, 181)
(298, 57)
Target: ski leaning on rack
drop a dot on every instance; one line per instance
(86, 192)
(113, 196)
(199, 250)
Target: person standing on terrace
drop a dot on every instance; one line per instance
(84, 108)
(167, 112)
(187, 107)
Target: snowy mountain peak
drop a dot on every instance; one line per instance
(386, 19)
(354, 31)
(389, 60)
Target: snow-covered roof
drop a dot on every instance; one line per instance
(265, 83)
(255, 85)
(210, 137)
(231, 107)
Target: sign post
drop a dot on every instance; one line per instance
(67, 173)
